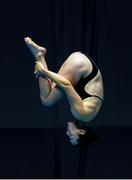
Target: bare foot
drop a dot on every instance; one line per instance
(74, 133)
(36, 50)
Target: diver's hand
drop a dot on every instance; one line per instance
(39, 69)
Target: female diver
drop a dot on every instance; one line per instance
(79, 79)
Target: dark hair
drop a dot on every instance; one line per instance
(89, 137)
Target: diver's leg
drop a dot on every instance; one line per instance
(49, 92)
(45, 84)
(83, 110)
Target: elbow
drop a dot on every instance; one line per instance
(89, 117)
(85, 117)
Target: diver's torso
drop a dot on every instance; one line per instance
(92, 84)
(95, 86)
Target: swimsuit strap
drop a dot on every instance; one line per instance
(83, 81)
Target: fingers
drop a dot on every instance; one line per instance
(36, 73)
(39, 66)
(38, 69)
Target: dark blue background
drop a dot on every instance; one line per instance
(30, 144)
